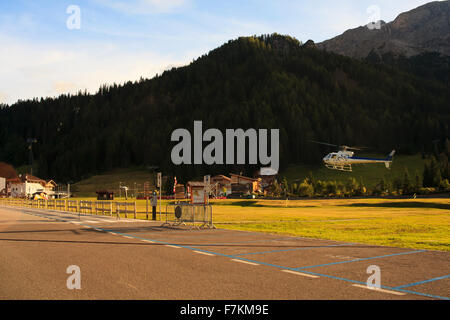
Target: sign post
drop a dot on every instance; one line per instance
(160, 186)
(207, 182)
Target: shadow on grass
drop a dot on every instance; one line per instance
(255, 204)
(405, 204)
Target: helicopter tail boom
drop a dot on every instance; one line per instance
(389, 158)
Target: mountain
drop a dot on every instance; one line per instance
(267, 82)
(421, 30)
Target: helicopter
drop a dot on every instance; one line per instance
(345, 158)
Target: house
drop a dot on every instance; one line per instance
(49, 188)
(221, 185)
(242, 184)
(179, 192)
(268, 176)
(26, 185)
(105, 195)
(2, 185)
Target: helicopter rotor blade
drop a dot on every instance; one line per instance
(352, 148)
(324, 143)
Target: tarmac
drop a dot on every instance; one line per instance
(136, 259)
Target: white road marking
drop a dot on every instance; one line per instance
(205, 253)
(379, 289)
(168, 245)
(148, 241)
(247, 262)
(128, 237)
(300, 274)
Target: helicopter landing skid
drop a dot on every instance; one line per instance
(340, 167)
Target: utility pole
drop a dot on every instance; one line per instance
(30, 142)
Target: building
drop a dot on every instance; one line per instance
(241, 184)
(180, 193)
(267, 176)
(221, 186)
(49, 188)
(27, 185)
(105, 195)
(2, 186)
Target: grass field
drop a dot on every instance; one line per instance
(420, 223)
(409, 223)
(131, 177)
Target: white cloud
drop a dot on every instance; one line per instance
(33, 70)
(144, 6)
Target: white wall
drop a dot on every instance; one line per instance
(2, 184)
(34, 187)
(25, 189)
(17, 190)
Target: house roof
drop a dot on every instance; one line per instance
(196, 184)
(221, 177)
(242, 177)
(27, 178)
(268, 172)
(52, 183)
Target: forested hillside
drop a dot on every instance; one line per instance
(253, 82)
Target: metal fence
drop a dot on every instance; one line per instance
(126, 208)
(72, 205)
(86, 207)
(61, 205)
(104, 207)
(198, 215)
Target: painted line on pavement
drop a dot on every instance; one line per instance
(422, 282)
(379, 289)
(361, 259)
(205, 253)
(293, 249)
(300, 274)
(247, 262)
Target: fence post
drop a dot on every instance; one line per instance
(135, 210)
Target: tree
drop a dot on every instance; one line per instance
(351, 186)
(418, 182)
(306, 189)
(407, 185)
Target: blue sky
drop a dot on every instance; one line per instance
(121, 40)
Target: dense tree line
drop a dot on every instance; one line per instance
(270, 82)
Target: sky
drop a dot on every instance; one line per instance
(53, 47)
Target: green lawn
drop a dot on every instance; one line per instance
(132, 177)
